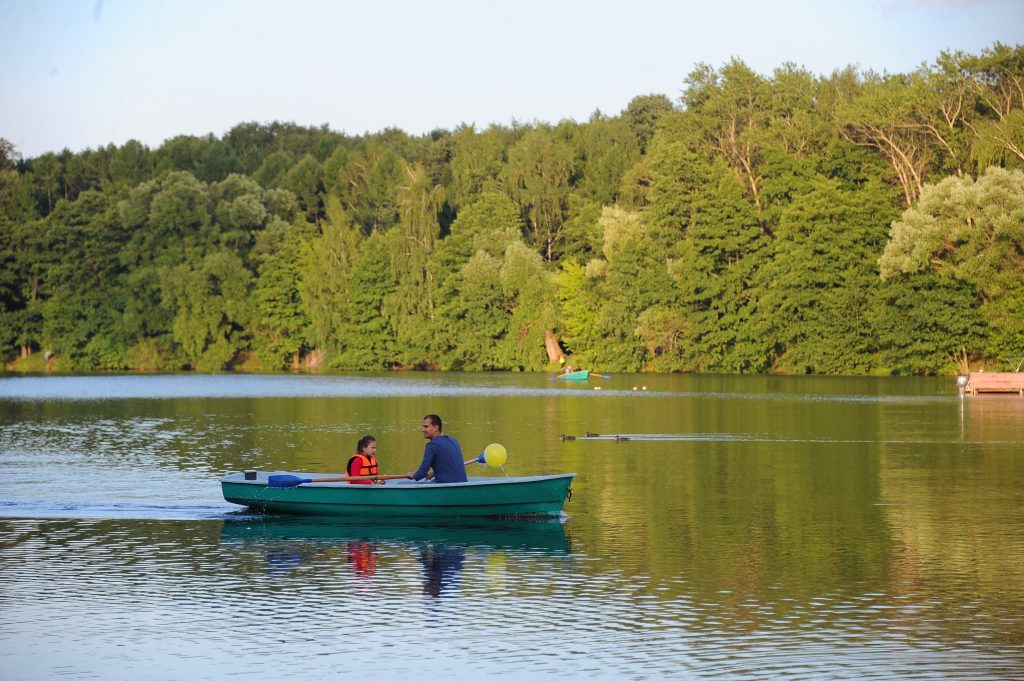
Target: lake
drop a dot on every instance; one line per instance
(719, 527)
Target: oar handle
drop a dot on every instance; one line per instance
(358, 477)
(294, 480)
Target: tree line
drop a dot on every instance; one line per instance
(843, 224)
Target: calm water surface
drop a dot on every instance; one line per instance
(720, 527)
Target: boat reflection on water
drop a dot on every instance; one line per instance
(440, 547)
(442, 565)
(362, 557)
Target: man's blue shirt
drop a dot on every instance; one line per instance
(444, 455)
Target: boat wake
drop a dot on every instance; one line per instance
(755, 437)
(40, 508)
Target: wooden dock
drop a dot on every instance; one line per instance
(995, 382)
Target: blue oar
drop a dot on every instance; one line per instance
(294, 480)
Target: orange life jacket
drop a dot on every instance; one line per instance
(367, 465)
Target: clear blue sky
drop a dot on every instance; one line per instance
(86, 73)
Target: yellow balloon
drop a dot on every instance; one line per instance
(495, 455)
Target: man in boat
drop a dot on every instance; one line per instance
(442, 453)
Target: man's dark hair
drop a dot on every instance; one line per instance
(435, 420)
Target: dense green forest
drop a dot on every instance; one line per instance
(789, 223)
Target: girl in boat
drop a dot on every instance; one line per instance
(364, 461)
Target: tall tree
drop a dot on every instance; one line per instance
(411, 306)
(904, 120)
(304, 180)
(996, 78)
(926, 323)
(369, 339)
(717, 273)
(642, 115)
(178, 224)
(729, 110)
(130, 164)
(530, 291)
(819, 282)
(601, 303)
(240, 212)
(85, 295)
(607, 149)
(367, 186)
(326, 264)
(540, 168)
(476, 163)
(212, 309)
(972, 231)
(475, 316)
(280, 324)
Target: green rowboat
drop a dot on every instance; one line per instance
(532, 496)
(575, 376)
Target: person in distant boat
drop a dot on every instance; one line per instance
(568, 368)
(364, 462)
(442, 454)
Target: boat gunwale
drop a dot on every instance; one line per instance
(238, 478)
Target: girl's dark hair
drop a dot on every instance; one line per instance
(363, 441)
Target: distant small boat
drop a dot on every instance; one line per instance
(538, 495)
(575, 376)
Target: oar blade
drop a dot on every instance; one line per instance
(285, 480)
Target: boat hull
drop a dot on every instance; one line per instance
(542, 495)
(575, 376)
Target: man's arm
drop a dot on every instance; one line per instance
(428, 461)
